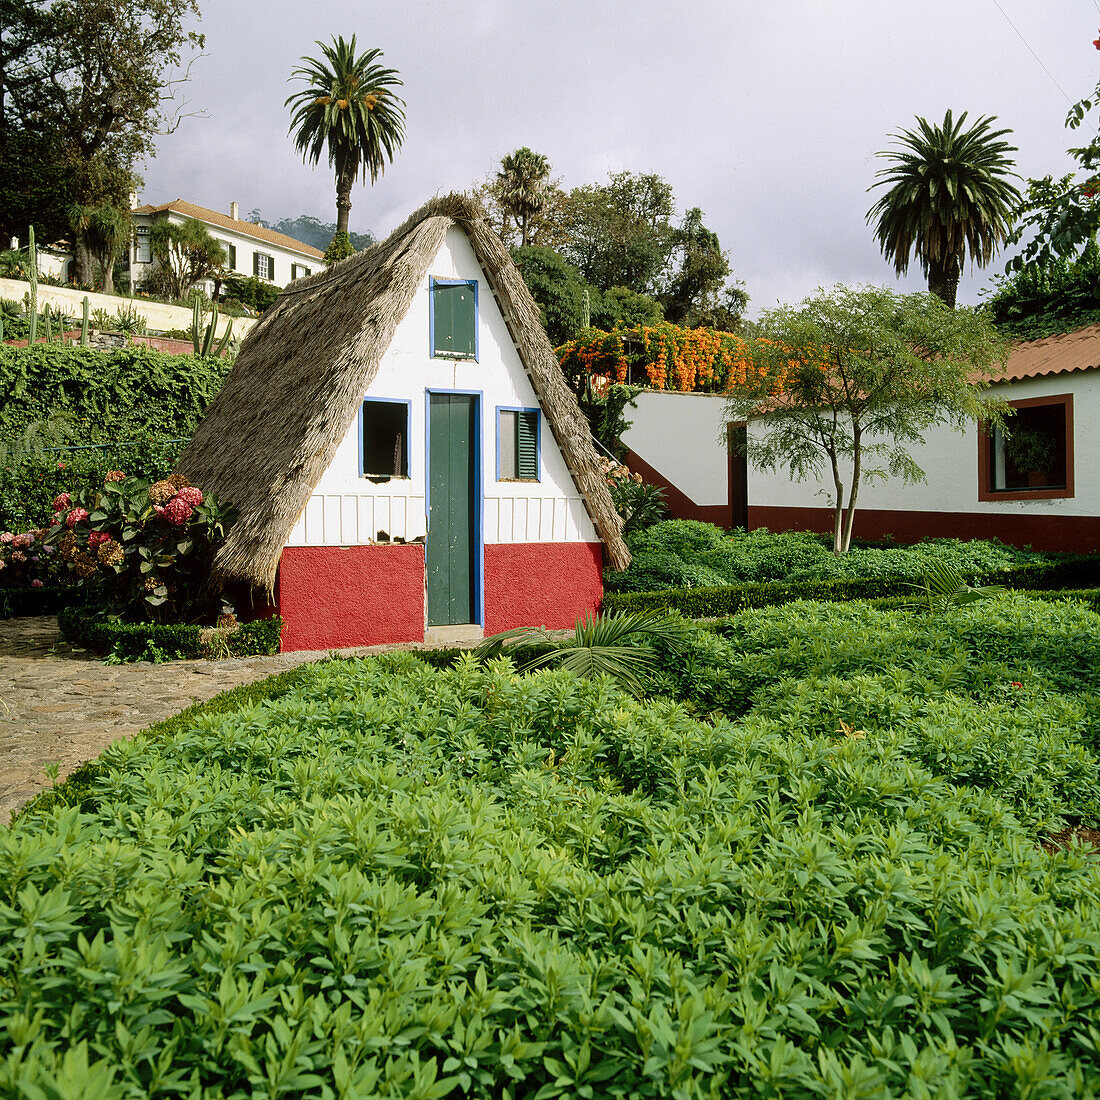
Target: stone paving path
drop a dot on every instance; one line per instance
(64, 706)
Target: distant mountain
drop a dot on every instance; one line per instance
(310, 230)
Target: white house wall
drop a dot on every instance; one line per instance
(347, 509)
(950, 462)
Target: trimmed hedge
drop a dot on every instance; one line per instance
(91, 629)
(1076, 573)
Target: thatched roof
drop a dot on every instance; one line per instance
(302, 371)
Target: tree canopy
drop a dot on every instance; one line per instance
(88, 85)
(349, 113)
(948, 195)
(855, 376)
(186, 253)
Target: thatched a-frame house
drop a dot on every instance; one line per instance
(404, 451)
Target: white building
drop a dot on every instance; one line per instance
(974, 489)
(250, 249)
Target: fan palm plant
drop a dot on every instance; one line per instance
(948, 193)
(349, 112)
(522, 180)
(615, 645)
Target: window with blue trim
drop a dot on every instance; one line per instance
(518, 444)
(454, 318)
(384, 439)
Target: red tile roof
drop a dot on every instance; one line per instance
(1061, 354)
(245, 229)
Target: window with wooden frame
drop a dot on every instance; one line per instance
(299, 271)
(1032, 457)
(518, 444)
(453, 318)
(384, 439)
(143, 248)
(263, 266)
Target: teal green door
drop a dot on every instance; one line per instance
(452, 498)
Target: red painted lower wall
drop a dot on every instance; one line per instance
(331, 597)
(680, 505)
(541, 584)
(1048, 532)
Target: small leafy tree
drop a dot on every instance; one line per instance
(186, 253)
(523, 175)
(857, 375)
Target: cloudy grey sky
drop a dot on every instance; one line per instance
(765, 114)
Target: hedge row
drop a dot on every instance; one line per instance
(132, 390)
(1078, 572)
(91, 629)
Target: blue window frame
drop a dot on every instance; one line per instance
(519, 443)
(453, 318)
(384, 437)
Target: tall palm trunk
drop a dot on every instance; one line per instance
(345, 178)
(943, 279)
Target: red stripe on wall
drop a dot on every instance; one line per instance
(1050, 532)
(680, 506)
(548, 584)
(331, 597)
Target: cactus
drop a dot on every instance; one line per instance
(84, 323)
(196, 324)
(208, 343)
(223, 343)
(47, 329)
(32, 310)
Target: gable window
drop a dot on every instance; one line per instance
(518, 444)
(453, 320)
(384, 439)
(298, 271)
(263, 266)
(143, 249)
(1032, 458)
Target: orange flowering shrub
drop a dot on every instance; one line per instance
(664, 357)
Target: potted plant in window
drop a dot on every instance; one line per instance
(1032, 451)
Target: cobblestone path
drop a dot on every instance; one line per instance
(63, 706)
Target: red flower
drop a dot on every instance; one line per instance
(62, 502)
(1096, 43)
(177, 511)
(75, 516)
(1017, 684)
(190, 495)
(96, 538)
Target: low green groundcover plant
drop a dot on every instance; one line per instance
(690, 554)
(810, 867)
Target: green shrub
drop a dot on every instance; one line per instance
(119, 394)
(761, 555)
(29, 486)
(256, 294)
(90, 628)
(390, 880)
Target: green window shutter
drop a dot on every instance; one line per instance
(271, 268)
(256, 264)
(454, 320)
(527, 445)
(232, 257)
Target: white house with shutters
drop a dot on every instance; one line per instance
(250, 249)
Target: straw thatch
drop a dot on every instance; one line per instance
(303, 370)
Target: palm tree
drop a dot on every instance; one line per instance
(522, 178)
(948, 193)
(348, 110)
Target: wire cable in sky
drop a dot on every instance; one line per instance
(1033, 53)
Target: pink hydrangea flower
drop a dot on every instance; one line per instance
(97, 537)
(190, 495)
(3, 564)
(23, 540)
(75, 516)
(19, 556)
(36, 583)
(177, 511)
(6, 537)
(62, 502)
(159, 509)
